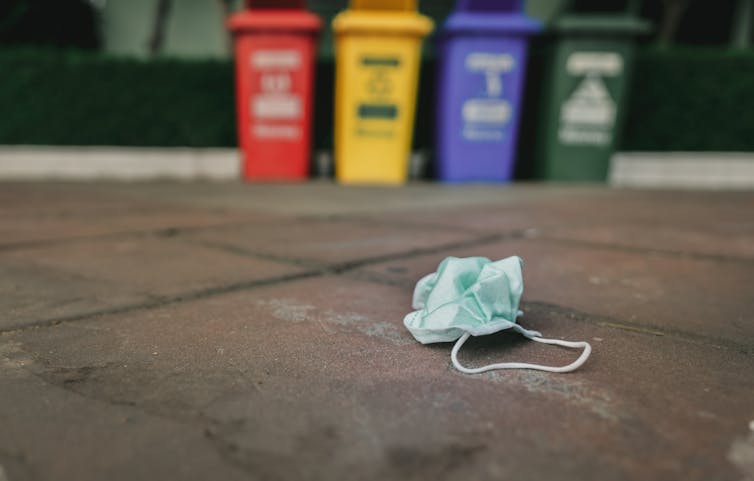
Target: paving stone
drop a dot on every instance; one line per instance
(328, 241)
(30, 293)
(322, 198)
(89, 276)
(317, 379)
(51, 432)
(31, 213)
(711, 223)
(24, 197)
(697, 296)
(735, 240)
(715, 224)
(47, 227)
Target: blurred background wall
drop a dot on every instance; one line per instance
(159, 73)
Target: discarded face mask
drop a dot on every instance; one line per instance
(475, 297)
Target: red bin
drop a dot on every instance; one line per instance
(275, 47)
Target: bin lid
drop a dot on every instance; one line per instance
(510, 6)
(274, 19)
(276, 4)
(397, 5)
(491, 23)
(365, 21)
(617, 24)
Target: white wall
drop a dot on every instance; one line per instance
(194, 29)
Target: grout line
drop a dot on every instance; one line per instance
(641, 250)
(265, 256)
(240, 286)
(603, 321)
(351, 269)
(486, 236)
(338, 268)
(170, 231)
(364, 219)
(356, 264)
(165, 301)
(651, 330)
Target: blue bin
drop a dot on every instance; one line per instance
(482, 60)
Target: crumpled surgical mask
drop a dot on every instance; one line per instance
(475, 297)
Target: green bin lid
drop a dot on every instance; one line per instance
(601, 23)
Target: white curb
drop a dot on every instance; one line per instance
(684, 170)
(117, 163)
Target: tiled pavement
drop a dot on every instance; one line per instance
(223, 331)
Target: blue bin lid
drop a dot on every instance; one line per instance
(491, 17)
(491, 23)
(510, 6)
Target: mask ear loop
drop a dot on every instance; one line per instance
(534, 336)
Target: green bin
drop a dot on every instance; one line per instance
(581, 108)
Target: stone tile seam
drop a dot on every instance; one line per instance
(198, 420)
(316, 271)
(642, 250)
(348, 268)
(602, 321)
(535, 233)
(351, 269)
(174, 231)
(169, 231)
(338, 268)
(368, 221)
(258, 255)
(644, 328)
(162, 301)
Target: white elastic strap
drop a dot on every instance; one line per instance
(534, 336)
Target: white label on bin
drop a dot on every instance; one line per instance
(490, 62)
(474, 134)
(282, 132)
(489, 111)
(276, 59)
(271, 106)
(493, 66)
(588, 115)
(604, 63)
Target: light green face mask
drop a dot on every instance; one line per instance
(475, 297)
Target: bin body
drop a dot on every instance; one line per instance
(274, 54)
(378, 55)
(481, 75)
(582, 113)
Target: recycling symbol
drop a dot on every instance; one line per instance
(379, 84)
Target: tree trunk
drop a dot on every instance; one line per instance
(671, 20)
(741, 37)
(157, 39)
(225, 11)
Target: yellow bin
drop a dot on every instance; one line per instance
(378, 52)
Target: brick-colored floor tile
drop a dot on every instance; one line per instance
(706, 297)
(87, 276)
(318, 378)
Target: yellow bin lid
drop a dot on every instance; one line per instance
(382, 16)
(409, 5)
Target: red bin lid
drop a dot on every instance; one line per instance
(276, 4)
(277, 18)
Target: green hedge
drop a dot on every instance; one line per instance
(691, 99)
(51, 97)
(78, 98)
(680, 100)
